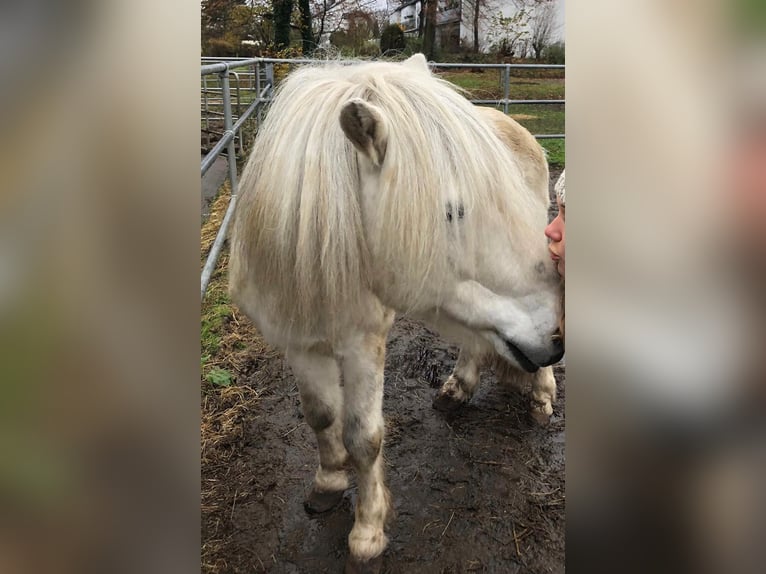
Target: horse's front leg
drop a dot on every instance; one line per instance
(363, 357)
(461, 384)
(318, 378)
(543, 387)
(543, 395)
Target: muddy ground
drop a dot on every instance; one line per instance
(479, 490)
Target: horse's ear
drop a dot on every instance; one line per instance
(417, 62)
(366, 127)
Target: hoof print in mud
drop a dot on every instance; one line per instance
(320, 502)
(354, 566)
(446, 403)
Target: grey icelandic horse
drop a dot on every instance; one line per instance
(374, 188)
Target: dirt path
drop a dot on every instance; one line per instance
(481, 490)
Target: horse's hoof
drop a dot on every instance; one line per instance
(372, 566)
(540, 414)
(319, 502)
(446, 403)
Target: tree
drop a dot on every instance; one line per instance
(476, 12)
(215, 17)
(283, 11)
(327, 15)
(429, 29)
(226, 23)
(542, 26)
(381, 20)
(359, 29)
(307, 32)
(510, 31)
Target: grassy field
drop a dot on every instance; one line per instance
(488, 84)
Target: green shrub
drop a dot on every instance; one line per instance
(392, 40)
(370, 49)
(412, 45)
(554, 54)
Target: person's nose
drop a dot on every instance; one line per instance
(553, 231)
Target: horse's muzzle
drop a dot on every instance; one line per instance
(532, 361)
(557, 352)
(521, 358)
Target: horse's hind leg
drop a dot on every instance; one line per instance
(363, 357)
(322, 404)
(461, 384)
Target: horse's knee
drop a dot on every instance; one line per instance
(319, 385)
(362, 442)
(318, 414)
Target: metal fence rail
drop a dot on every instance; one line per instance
(226, 141)
(259, 77)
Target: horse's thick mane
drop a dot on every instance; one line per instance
(299, 235)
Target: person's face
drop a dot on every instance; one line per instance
(555, 232)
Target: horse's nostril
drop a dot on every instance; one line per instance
(558, 349)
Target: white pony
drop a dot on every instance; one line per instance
(372, 188)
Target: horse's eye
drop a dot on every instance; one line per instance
(450, 212)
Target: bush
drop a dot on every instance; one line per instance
(369, 49)
(412, 45)
(392, 39)
(220, 48)
(554, 54)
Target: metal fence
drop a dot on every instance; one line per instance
(234, 89)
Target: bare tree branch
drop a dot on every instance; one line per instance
(543, 25)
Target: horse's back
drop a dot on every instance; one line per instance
(528, 151)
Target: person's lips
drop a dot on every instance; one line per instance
(554, 256)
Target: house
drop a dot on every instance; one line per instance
(454, 22)
(408, 16)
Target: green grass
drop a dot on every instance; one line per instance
(539, 118)
(216, 310)
(555, 149)
(488, 85)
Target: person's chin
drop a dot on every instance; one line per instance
(560, 267)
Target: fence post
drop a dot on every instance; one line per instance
(239, 111)
(231, 150)
(207, 110)
(257, 69)
(270, 74)
(506, 87)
